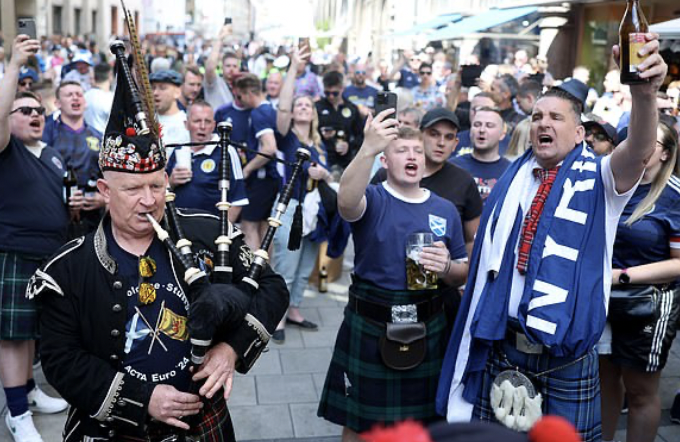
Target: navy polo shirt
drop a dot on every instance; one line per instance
(485, 174)
(202, 191)
(364, 96)
(33, 217)
(79, 148)
(262, 121)
(240, 121)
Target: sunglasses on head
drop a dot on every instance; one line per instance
(332, 93)
(28, 110)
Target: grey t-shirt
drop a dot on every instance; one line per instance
(217, 93)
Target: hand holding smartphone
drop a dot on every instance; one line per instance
(27, 26)
(386, 100)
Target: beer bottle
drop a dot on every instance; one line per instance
(323, 280)
(631, 39)
(70, 184)
(91, 187)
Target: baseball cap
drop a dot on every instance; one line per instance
(605, 127)
(83, 57)
(166, 76)
(25, 72)
(436, 115)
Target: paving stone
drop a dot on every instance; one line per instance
(286, 389)
(331, 316)
(309, 360)
(307, 424)
(268, 363)
(319, 380)
(262, 422)
(670, 433)
(667, 388)
(324, 337)
(243, 391)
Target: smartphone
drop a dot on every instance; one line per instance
(386, 100)
(227, 20)
(470, 74)
(304, 42)
(27, 26)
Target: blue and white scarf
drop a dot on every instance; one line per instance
(562, 305)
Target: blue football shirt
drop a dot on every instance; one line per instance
(485, 174)
(380, 234)
(202, 191)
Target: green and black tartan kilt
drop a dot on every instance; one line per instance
(360, 390)
(18, 315)
(215, 426)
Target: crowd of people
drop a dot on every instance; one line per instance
(547, 207)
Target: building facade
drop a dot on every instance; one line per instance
(567, 32)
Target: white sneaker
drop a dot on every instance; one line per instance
(22, 428)
(39, 402)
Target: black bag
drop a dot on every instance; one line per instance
(403, 345)
(634, 303)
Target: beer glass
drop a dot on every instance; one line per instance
(417, 278)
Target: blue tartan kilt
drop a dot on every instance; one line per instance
(572, 392)
(361, 391)
(18, 315)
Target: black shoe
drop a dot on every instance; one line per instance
(675, 409)
(307, 325)
(279, 336)
(624, 408)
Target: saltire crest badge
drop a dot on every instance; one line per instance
(437, 225)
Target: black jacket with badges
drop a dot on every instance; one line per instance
(347, 119)
(83, 327)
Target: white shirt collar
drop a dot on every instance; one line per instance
(392, 191)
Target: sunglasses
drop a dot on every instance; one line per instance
(360, 72)
(425, 72)
(28, 110)
(331, 93)
(600, 137)
(26, 83)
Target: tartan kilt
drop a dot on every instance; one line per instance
(18, 315)
(361, 391)
(572, 392)
(215, 425)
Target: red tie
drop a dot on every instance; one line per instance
(547, 177)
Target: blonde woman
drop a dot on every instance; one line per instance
(520, 140)
(646, 251)
(297, 122)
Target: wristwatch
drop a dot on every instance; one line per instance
(624, 277)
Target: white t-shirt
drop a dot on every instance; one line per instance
(173, 129)
(98, 108)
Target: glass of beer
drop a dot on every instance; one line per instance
(417, 278)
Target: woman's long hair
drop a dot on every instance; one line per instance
(313, 134)
(669, 141)
(520, 141)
